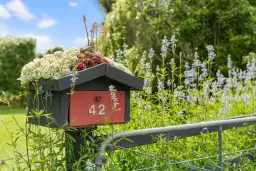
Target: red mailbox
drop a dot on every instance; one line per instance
(91, 104)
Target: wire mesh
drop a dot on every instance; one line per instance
(192, 162)
(184, 162)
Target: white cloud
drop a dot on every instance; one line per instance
(46, 23)
(43, 43)
(80, 42)
(3, 31)
(72, 4)
(4, 13)
(20, 10)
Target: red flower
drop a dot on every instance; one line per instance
(88, 60)
(80, 66)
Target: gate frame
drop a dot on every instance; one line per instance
(145, 136)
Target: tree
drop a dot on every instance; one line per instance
(57, 48)
(248, 58)
(107, 5)
(227, 25)
(14, 54)
(39, 55)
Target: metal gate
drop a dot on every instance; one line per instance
(146, 136)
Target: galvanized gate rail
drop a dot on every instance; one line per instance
(147, 136)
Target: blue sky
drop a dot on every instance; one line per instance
(51, 22)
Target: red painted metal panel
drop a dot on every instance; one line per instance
(95, 107)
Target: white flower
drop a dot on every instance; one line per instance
(50, 66)
(118, 66)
(56, 65)
(113, 95)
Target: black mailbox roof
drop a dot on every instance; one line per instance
(59, 84)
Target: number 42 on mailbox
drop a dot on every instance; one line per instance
(93, 112)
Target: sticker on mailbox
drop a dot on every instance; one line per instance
(95, 108)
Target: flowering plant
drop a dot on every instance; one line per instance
(61, 64)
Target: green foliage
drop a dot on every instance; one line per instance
(6, 115)
(39, 55)
(227, 25)
(107, 5)
(199, 98)
(57, 48)
(14, 54)
(34, 147)
(251, 56)
(15, 100)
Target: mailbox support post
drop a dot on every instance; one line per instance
(74, 146)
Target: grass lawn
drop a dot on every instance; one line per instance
(6, 116)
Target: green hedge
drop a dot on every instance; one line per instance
(14, 53)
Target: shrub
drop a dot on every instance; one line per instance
(57, 48)
(14, 54)
(229, 26)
